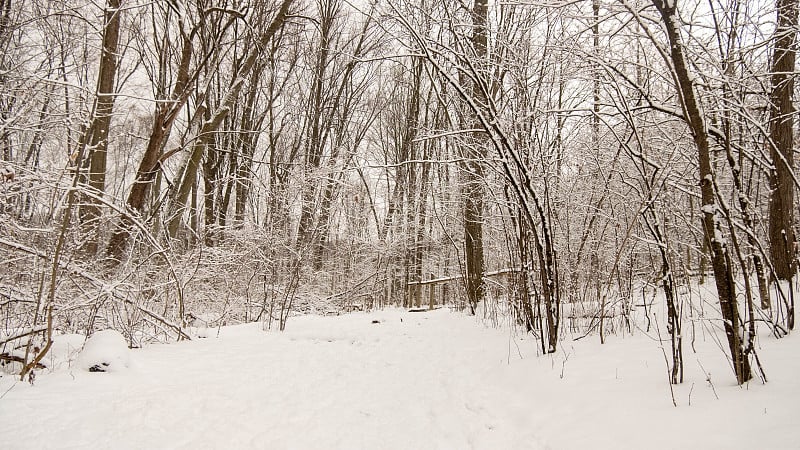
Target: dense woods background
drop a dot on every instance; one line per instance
(558, 162)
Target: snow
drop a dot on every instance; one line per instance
(708, 209)
(104, 351)
(64, 350)
(428, 380)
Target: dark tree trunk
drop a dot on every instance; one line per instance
(164, 118)
(473, 189)
(98, 130)
(781, 131)
(317, 135)
(720, 257)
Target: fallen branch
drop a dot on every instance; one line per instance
(351, 289)
(19, 359)
(458, 277)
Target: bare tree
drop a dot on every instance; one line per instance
(95, 139)
(333, 123)
(781, 134)
(205, 135)
(720, 253)
(198, 45)
(474, 155)
(168, 107)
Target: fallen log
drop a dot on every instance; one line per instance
(15, 358)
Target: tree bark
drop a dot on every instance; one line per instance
(720, 257)
(211, 125)
(98, 131)
(473, 195)
(165, 115)
(781, 131)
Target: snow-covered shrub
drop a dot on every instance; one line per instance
(104, 351)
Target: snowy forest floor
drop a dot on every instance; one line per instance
(427, 380)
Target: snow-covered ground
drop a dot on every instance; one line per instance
(429, 380)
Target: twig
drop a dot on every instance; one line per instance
(99, 284)
(708, 378)
(8, 390)
(27, 333)
(666, 360)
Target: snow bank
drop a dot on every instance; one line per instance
(104, 351)
(64, 351)
(427, 380)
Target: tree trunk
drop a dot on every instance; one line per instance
(473, 195)
(164, 118)
(210, 126)
(97, 132)
(720, 257)
(781, 132)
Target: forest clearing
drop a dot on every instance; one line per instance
(428, 380)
